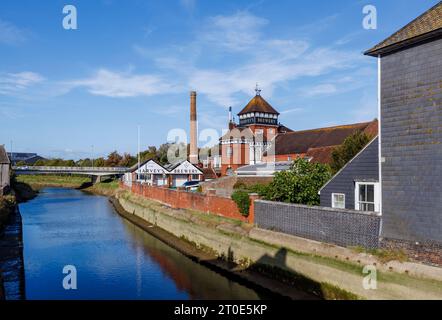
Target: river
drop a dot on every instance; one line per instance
(113, 258)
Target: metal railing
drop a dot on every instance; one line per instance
(71, 169)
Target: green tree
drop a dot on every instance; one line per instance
(350, 148)
(40, 163)
(84, 163)
(300, 184)
(100, 162)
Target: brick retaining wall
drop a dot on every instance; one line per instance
(180, 199)
(337, 226)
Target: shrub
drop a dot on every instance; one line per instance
(300, 184)
(239, 186)
(261, 189)
(242, 200)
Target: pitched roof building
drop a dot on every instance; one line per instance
(318, 144)
(4, 170)
(260, 137)
(427, 26)
(410, 73)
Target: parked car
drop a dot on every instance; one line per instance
(191, 185)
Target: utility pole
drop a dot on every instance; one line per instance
(139, 155)
(92, 156)
(12, 161)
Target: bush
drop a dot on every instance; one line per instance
(242, 200)
(239, 186)
(261, 189)
(300, 184)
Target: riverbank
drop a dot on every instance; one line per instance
(12, 286)
(326, 271)
(29, 185)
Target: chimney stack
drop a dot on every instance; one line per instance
(193, 157)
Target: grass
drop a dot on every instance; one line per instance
(325, 290)
(66, 181)
(210, 219)
(107, 187)
(384, 255)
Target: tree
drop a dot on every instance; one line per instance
(84, 163)
(300, 184)
(162, 153)
(100, 162)
(350, 148)
(127, 160)
(113, 159)
(40, 163)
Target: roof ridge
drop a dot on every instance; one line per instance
(332, 127)
(260, 102)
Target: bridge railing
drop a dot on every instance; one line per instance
(71, 169)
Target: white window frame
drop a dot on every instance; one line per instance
(376, 195)
(333, 200)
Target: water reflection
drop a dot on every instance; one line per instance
(114, 258)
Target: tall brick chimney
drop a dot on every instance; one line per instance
(193, 156)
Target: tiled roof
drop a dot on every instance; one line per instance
(258, 104)
(3, 155)
(209, 173)
(299, 142)
(321, 154)
(426, 26)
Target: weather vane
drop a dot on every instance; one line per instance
(258, 90)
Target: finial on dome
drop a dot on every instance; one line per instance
(257, 90)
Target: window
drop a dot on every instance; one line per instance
(367, 196)
(338, 200)
(229, 151)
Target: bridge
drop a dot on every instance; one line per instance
(96, 173)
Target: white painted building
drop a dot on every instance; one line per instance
(173, 175)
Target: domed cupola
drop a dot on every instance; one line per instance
(258, 111)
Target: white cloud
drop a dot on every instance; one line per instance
(322, 89)
(10, 34)
(270, 61)
(292, 110)
(117, 85)
(235, 32)
(221, 86)
(11, 83)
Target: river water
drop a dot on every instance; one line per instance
(113, 258)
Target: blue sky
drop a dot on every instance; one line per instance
(134, 62)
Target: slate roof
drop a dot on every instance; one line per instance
(299, 142)
(258, 104)
(426, 26)
(3, 156)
